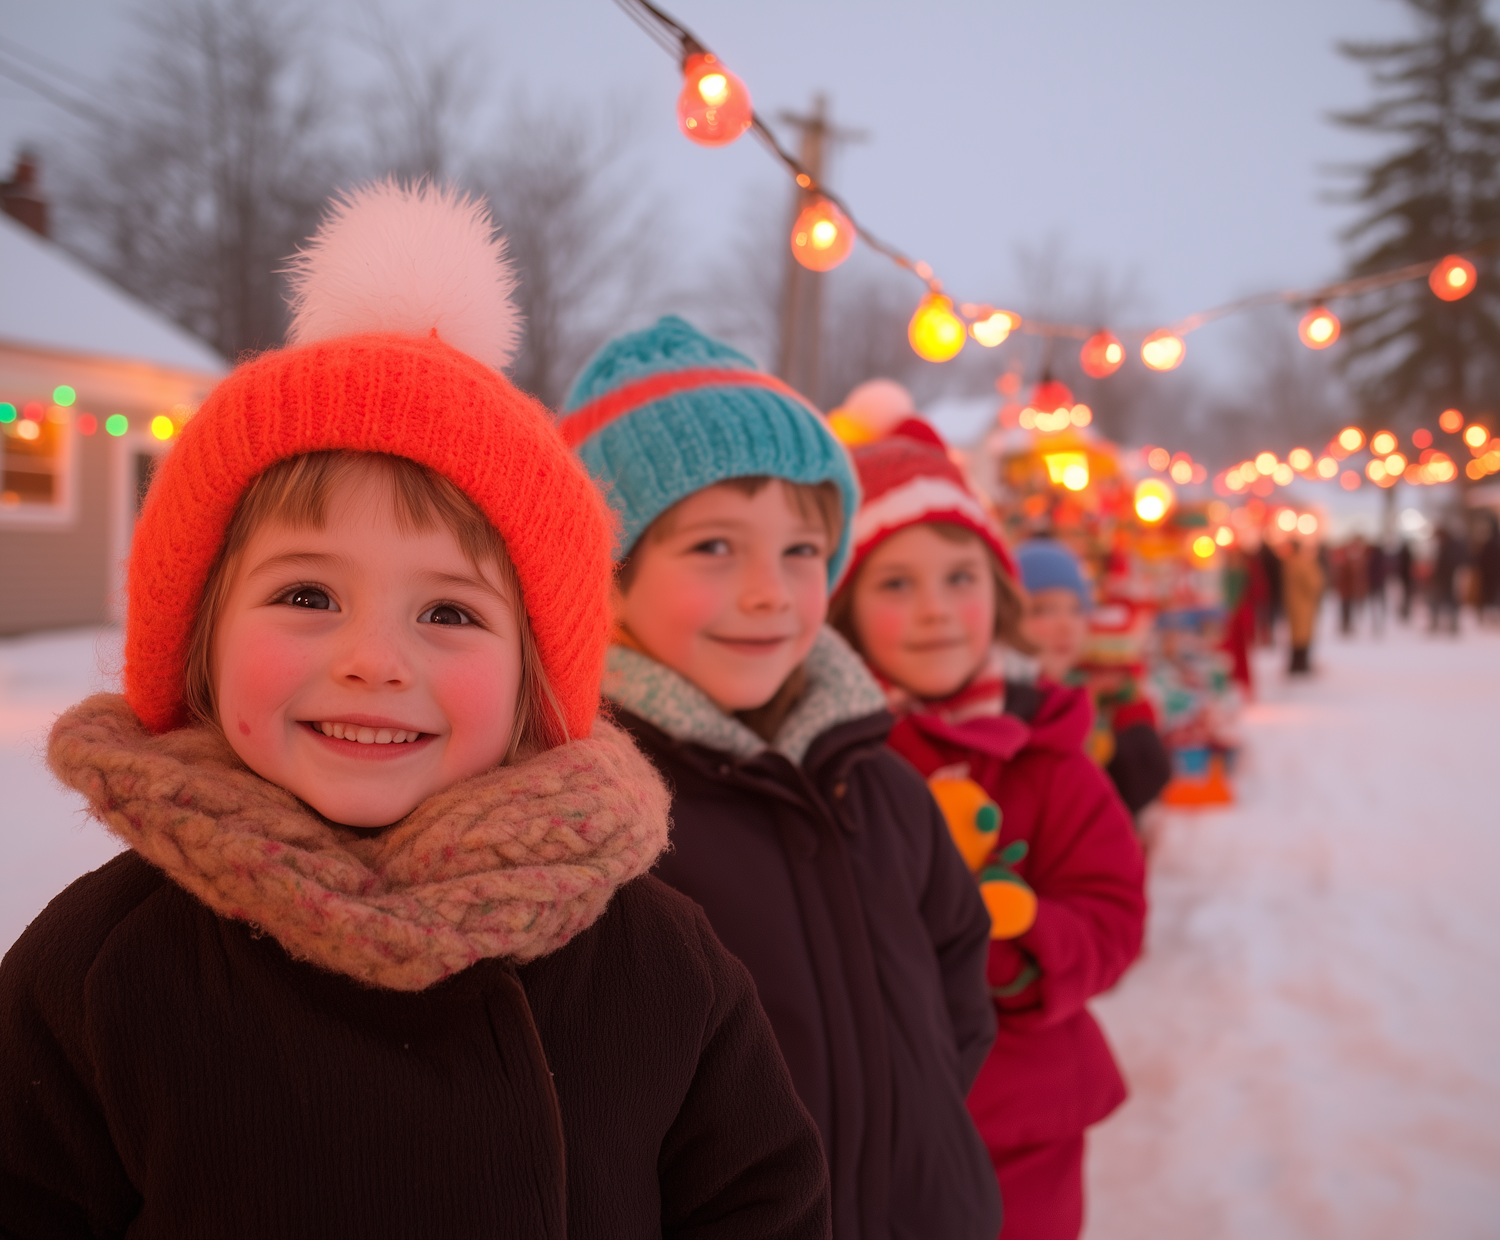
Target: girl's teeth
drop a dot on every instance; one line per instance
(366, 736)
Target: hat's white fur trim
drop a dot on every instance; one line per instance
(921, 499)
(409, 259)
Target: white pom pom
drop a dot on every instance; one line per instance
(388, 258)
(879, 405)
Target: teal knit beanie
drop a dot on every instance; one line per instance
(659, 414)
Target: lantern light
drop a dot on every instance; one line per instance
(714, 107)
(822, 236)
(1068, 469)
(1153, 500)
(1451, 420)
(1452, 278)
(1158, 458)
(1476, 436)
(1051, 395)
(1319, 328)
(1163, 350)
(935, 332)
(1422, 438)
(1102, 354)
(991, 327)
(27, 429)
(1080, 415)
(1383, 443)
(1203, 546)
(1351, 439)
(1327, 467)
(1299, 459)
(1181, 472)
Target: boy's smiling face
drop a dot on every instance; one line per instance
(365, 667)
(729, 591)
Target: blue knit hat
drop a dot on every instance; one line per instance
(659, 414)
(1046, 564)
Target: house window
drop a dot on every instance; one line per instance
(36, 445)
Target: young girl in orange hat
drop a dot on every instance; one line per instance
(931, 602)
(382, 958)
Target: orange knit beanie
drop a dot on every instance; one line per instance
(402, 319)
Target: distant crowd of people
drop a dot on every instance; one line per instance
(1454, 569)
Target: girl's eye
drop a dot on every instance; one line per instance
(712, 546)
(892, 584)
(962, 577)
(310, 597)
(804, 550)
(444, 613)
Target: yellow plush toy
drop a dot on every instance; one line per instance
(974, 822)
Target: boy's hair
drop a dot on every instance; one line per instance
(821, 502)
(295, 491)
(1009, 606)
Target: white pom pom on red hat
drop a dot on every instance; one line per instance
(412, 260)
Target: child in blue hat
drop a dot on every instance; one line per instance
(818, 855)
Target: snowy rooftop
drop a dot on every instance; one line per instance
(54, 301)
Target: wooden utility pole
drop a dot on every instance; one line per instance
(802, 290)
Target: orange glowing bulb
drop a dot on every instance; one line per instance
(1163, 350)
(1299, 459)
(714, 107)
(1319, 328)
(1382, 443)
(1351, 438)
(1327, 467)
(993, 326)
(1451, 420)
(1476, 436)
(1102, 354)
(1153, 500)
(822, 236)
(1452, 278)
(935, 332)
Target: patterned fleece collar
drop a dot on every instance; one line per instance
(839, 688)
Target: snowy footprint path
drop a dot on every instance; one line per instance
(1313, 1037)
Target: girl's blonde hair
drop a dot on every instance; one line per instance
(294, 492)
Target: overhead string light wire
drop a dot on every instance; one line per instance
(674, 38)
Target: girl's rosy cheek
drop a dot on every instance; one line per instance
(468, 692)
(883, 627)
(260, 667)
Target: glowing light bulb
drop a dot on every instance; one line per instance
(87, 424)
(935, 332)
(1286, 520)
(1153, 500)
(1158, 458)
(1224, 536)
(1375, 470)
(1282, 475)
(822, 236)
(1234, 480)
(1351, 438)
(1181, 472)
(7, 412)
(714, 107)
(1382, 443)
(1327, 467)
(117, 424)
(1265, 463)
(63, 395)
(1076, 476)
(1299, 459)
(1163, 350)
(1080, 415)
(1307, 524)
(1102, 354)
(1203, 546)
(161, 426)
(1422, 438)
(1349, 480)
(1395, 464)
(1476, 436)
(1319, 328)
(992, 328)
(27, 429)
(1452, 278)
(1451, 420)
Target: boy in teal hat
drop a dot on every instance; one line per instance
(818, 855)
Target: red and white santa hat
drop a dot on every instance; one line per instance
(908, 479)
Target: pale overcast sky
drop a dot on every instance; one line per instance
(1180, 140)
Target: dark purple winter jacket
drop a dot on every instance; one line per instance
(836, 882)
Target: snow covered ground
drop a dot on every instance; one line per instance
(1313, 1037)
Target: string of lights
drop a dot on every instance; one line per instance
(715, 109)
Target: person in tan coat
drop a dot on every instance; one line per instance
(1302, 587)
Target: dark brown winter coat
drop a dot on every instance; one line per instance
(835, 880)
(541, 1101)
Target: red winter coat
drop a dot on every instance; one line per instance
(1050, 1074)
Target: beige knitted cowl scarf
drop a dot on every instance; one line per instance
(513, 862)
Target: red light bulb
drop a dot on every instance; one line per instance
(714, 108)
(1102, 355)
(822, 236)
